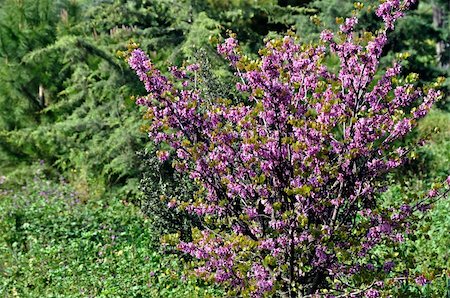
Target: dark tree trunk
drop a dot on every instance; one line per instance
(440, 9)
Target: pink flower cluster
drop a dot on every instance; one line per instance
(289, 176)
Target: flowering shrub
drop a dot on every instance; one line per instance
(289, 173)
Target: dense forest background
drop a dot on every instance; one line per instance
(67, 99)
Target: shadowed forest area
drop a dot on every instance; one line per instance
(85, 203)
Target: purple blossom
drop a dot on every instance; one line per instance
(432, 193)
(251, 212)
(349, 25)
(326, 35)
(268, 244)
(193, 67)
(388, 266)
(163, 155)
(372, 293)
(228, 49)
(421, 280)
(370, 267)
(289, 176)
(177, 73)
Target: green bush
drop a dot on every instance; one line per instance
(54, 245)
(159, 185)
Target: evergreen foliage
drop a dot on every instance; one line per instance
(66, 94)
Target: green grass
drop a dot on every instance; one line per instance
(54, 245)
(427, 248)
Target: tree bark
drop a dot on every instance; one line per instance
(439, 10)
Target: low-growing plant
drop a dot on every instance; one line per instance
(54, 244)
